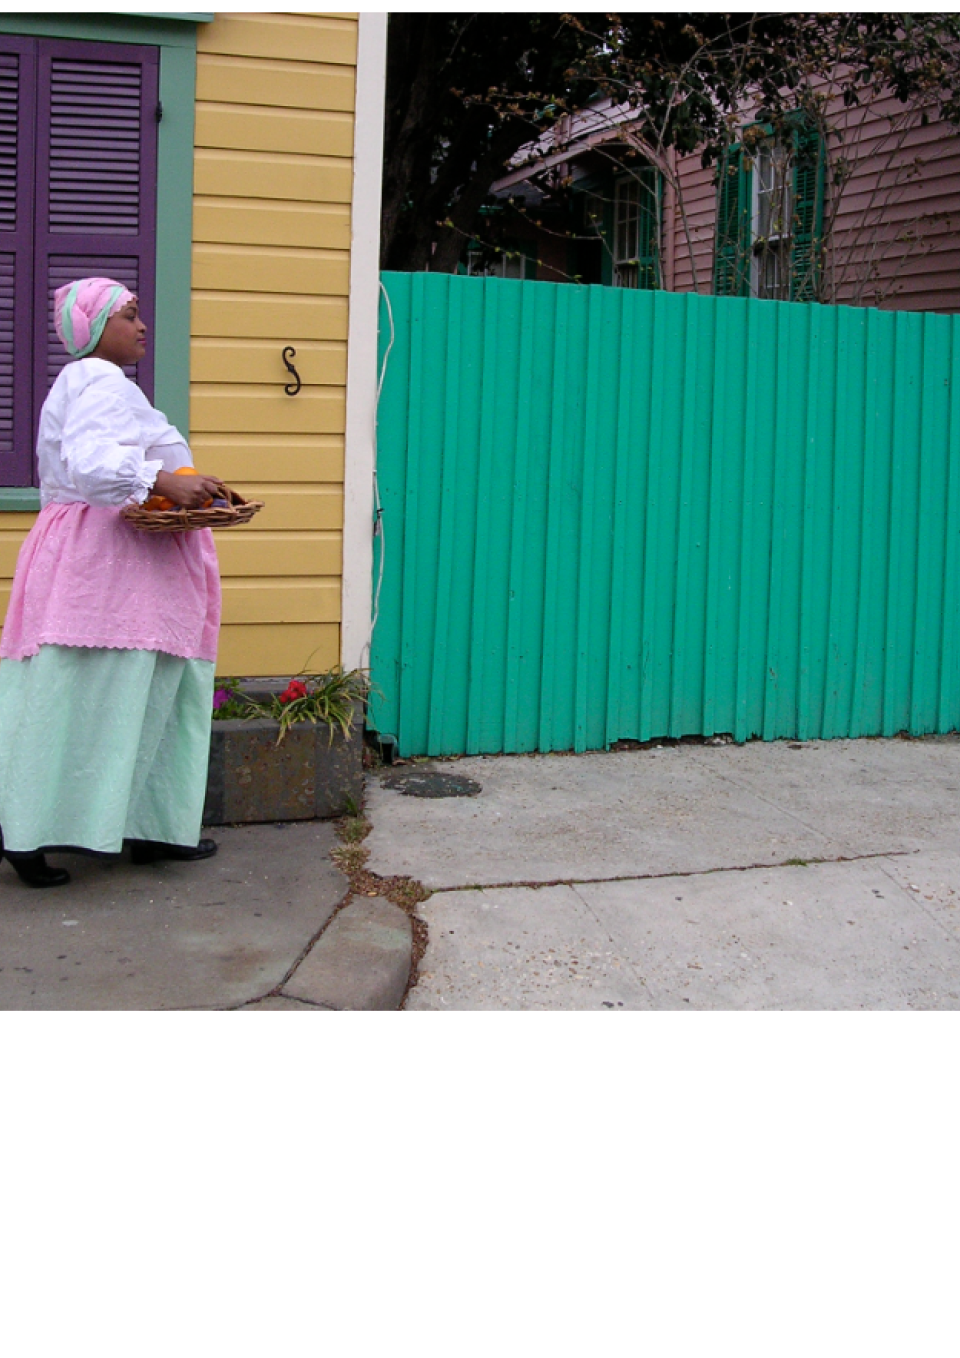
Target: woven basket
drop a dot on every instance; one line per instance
(182, 520)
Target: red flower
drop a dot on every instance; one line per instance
(295, 689)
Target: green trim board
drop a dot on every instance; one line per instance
(119, 27)
(171, 372)
(13, 501)
(178, 82)
(179, 18)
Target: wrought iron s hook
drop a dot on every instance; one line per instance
(288, 353)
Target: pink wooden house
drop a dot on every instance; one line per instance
(866, 216)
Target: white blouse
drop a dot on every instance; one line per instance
(100, 440)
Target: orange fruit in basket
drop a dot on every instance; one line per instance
(192, 471)
(161, 501)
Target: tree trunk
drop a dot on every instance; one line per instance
(452, 241)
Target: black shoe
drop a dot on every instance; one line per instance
(34, 870)
(150, 851)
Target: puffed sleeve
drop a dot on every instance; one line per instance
(102, 447)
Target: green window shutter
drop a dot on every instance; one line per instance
(806, 261)
(731, 261)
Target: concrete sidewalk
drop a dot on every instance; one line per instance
(265, 924)
(823, 875)
(768, 876)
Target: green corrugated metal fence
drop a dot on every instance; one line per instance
(622, 515)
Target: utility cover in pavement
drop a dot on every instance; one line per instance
(430, 783)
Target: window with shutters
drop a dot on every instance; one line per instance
(771, 221)
(625, 217)
(636, 215)
(769, 234)
(78, 135)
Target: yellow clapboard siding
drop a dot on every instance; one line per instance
(17, 523)
(251, 222)
(259, 458)
(259, 361)
(245, 315)
(299, 272)
(11, 541)
(255, 174)
(271, 259)
(283, 84)
(295, 509)
(311, 132)
(252, 650)
(267, 409)
(278, 601)
(248, 552)
(300, 38)
(281, 600)
(13, 529)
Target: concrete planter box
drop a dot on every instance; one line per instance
(306, 777)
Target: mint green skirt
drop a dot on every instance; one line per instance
(99, 746)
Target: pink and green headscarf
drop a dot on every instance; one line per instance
(82, 309)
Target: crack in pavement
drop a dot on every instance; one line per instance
(660, 876)
(652, 990)
(916, 898)
(783, 810)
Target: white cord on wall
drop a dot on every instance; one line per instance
(379, 530)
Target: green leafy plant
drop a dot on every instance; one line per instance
(229, 704)
(328, 699)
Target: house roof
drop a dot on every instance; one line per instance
(570, 139)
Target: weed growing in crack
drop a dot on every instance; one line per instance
(351, 857)
(352, 829)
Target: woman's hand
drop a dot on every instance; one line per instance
(192, 492)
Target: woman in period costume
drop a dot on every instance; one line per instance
(110, 638)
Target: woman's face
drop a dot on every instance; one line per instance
(124, 338)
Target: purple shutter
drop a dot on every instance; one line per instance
(17, 107)
(96, 184)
